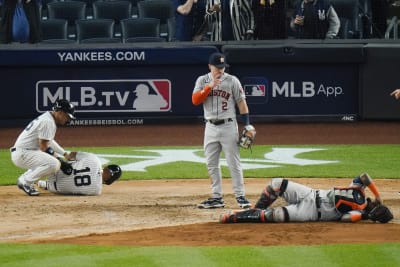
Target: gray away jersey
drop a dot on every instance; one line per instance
(86, 178)
(221, 102)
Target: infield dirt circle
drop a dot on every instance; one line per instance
(163, 212)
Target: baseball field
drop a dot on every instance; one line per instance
(149, 217)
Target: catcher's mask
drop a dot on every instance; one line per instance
(115, 173)
(66, 106)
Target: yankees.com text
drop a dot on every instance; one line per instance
(98, 56)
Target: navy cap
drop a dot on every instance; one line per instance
(217, 60)
(66, 106)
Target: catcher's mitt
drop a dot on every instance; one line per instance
(380, 213)
(247, 137)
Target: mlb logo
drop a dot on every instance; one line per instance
(152, 95)
(254, 89)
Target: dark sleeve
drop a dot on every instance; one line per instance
(33, 15)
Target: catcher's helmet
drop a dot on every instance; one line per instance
(66, 106)
(115, 173)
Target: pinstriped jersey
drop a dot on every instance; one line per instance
(43, 127)
(222, 99)
(86, 178)
(241, 15)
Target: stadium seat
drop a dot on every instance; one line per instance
(162, 10)
(134, 8)
(140, 27)
(54, 29)
(94, 28)
(116, 10)
(43, 9)
(89, 7)
(69, 10)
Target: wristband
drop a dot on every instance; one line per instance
(50, 151)
(246, 119)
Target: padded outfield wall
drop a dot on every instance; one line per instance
(152, 83)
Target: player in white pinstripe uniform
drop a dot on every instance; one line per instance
(220, 93)
(36, 150)
(87, 178)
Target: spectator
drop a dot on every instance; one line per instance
(20, 21)
(189, 16)
(230, 19)
(380, 13)
(315, 19)
(396, 94)
(270, 19)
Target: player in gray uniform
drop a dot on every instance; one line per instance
(220, 93)
(87, 177)
(36, 150)
(347, 204)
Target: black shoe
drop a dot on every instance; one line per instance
(212, 203)
(29, 190)
(243, 202)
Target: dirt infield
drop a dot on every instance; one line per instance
(164, 212)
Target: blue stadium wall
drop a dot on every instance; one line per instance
(284, 80)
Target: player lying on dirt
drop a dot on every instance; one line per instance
(347, 204)
(84, 176)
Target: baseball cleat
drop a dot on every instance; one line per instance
(28, 189)
(212, 203)
(243, 202)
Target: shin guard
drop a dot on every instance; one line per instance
(250, 215)
(267, 197)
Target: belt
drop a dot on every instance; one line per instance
(318, 203)
(219, 122)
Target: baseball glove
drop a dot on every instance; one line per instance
(247, 137)
(380, 213)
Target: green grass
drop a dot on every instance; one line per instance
(385, 255)
(380, 161)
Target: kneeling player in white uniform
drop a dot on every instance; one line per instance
(37, 151)
(87, 177)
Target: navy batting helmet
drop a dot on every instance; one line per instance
(115, 173)
(66, 106)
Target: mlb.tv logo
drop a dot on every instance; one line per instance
(106, 95)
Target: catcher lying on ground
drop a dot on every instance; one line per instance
(347, 204)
